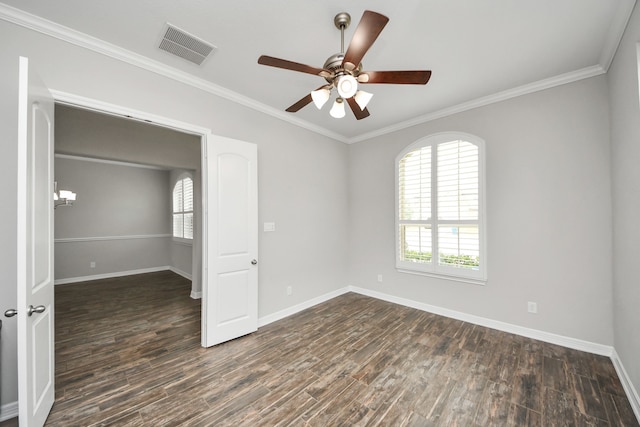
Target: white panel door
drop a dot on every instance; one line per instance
(230, 293)
(35, 249)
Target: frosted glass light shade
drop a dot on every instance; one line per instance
(362, 98)
(347, 86)
(337, 111)
(320, 96)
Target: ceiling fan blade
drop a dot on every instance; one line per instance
(395, 77)
(293, 66)
(367, 31)
(300, 104)
(360, 114)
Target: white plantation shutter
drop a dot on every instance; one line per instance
(188, 208)
(415, 205)
(415, 185)
(187, 192)
(177, 197)
(183, 208)
(458, 201)
(440, 207)
(188, 226)
(178, 221)
(458, 181)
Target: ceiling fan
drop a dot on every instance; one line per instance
(343, 70)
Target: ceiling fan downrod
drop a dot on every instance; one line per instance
(342, 21)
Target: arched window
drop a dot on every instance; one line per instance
(183, 208)
(440, 204)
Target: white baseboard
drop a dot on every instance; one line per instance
(8, 411)
(632, 393)
(194, 294)
(299, 307)
(110, 275)
(181, 273)
(577, 344)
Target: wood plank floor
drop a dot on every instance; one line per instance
(128, 354)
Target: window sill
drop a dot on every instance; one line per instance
(470, 280)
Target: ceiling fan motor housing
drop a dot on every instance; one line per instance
(334, 64)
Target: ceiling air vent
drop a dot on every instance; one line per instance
(184, 45)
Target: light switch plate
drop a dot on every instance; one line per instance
(269, 226)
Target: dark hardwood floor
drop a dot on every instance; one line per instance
(128, 354)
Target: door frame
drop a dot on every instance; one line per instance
(206, 138)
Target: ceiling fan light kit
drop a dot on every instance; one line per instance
(320, 96)
(337, 111)
(362, 98)
(344, 70)
(347, 85)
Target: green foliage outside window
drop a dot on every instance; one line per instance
(465, 261)
(417, 256)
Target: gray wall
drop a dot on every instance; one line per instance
(117, 205)
(625, 160)
(302, 175)
(548, 210)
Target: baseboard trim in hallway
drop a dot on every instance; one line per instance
(8, 411)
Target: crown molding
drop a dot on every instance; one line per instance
(52, 29)
(60, 32)
(617, 28)
(109, 162)
(486, 100)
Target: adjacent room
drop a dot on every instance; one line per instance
(435, 225)
(124, 174)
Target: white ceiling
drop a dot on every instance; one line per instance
(478, 51)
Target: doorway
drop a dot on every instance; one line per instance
(229, 196)
(123, 171)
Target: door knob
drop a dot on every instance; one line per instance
(254, 261)
(37, 309)
(11, 312)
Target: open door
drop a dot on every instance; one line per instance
(230, 288)
(35, 249)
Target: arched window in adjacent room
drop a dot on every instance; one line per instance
(183, 208)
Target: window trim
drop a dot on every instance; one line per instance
(182, 240)
(433, 269)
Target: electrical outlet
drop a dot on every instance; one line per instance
(532, 307)
(289, 290)
(92, 264)
(380, 278)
